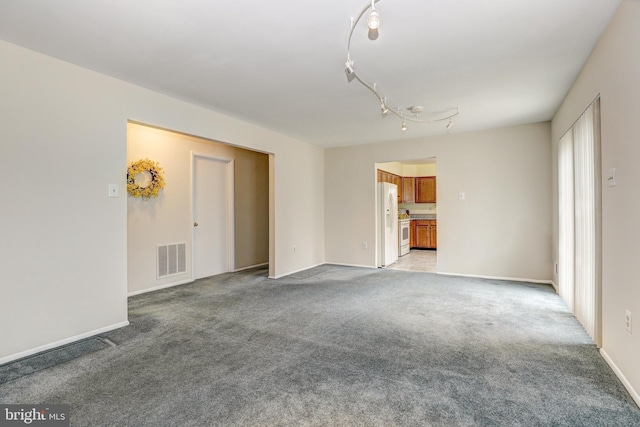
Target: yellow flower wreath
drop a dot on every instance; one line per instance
(137, 171)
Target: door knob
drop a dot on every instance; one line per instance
(195, 224)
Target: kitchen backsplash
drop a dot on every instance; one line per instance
(417, 208)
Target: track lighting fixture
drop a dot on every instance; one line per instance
(349, 70)
(450, 124)
(406, 114)
(383, 107)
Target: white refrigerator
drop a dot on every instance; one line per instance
(387, 224)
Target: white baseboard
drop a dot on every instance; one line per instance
(65, 341)
(513, 279)
(250, 267)
(350, 265)
(157, 288)
(634, 394)
(555, 286)
(296, 271)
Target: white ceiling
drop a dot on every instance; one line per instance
(280, 64)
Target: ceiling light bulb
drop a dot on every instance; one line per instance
(374, 20)
(404, 126)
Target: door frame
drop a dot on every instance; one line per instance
(230, 166)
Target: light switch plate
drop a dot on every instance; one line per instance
(114, 191)
(611, 178)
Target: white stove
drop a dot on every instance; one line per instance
(404, 236)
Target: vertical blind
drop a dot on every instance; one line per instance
(565, 207)
(579, 220)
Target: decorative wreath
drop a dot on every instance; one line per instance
(144, 179)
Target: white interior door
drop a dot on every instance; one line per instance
(212, 185)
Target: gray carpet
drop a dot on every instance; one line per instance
(46, 359)
(340, 346)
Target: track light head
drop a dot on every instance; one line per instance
(450, 124)
(383, 108)
(349, 70)
(404, 126)
(374, 19)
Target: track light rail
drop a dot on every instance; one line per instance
(411, 114)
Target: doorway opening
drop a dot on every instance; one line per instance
(416, 183)
(233, 183)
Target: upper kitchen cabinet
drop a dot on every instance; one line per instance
(397, 180)
(425, 189)
(408, 190)
(384, 176)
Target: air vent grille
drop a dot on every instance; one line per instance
(172, 259)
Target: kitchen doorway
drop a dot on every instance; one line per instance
(417, 202)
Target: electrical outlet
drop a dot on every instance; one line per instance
(294, 249)
(364, 245)
(627, 320)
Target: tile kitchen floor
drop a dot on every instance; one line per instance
(418, 260)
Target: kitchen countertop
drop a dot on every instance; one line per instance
(423, 216)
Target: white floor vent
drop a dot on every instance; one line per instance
(172, 259)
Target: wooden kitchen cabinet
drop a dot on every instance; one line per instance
(408, 190)
(384, 176)
(397, 180)
(426, 233)
(434, 235)
(412, 234)
(422, 235)
(425, 189)
(420, 189)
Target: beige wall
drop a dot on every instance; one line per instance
(427, 169)
(502, 229)
(391, 167)
(397, 168)
(64, 242)
(613, 71)
(167, 219)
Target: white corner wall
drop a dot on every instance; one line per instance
(64, 242)
(613, 71)
(502, 229)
